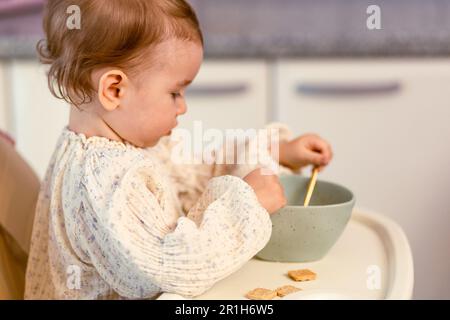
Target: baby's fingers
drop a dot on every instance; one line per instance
(324, 149)
(315, 158)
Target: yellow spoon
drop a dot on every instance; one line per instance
(312, 183)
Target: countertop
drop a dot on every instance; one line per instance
(285, 28)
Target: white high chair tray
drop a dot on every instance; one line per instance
(371, 260)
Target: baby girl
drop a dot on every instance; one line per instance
(116, 219)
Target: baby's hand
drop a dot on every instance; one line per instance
(306, 150)
(268, 190)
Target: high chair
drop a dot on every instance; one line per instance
(19, 188)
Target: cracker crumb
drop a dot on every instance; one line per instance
(302, 275)
(261, 294)
(285, 290)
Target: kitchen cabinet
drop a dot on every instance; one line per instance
(37, 116)
(388, 123)
(387, 120)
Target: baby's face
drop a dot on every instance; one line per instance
(155, 99)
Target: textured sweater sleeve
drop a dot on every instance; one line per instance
(137, 253)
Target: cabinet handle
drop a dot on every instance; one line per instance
(216, 90)
(348, 89)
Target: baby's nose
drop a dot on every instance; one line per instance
(182, 108)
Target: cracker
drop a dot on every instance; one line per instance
(302, 275)
(285, 290)
(261, 294)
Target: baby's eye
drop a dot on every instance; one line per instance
(176, 95)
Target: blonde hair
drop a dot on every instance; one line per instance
(112, 33)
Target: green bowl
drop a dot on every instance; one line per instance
(305, 234)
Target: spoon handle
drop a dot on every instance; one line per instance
(312, 183)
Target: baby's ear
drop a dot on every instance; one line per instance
(111, 88)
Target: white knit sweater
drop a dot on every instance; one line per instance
(114, 221)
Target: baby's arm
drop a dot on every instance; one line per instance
(138, 255)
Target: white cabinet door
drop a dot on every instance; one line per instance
(38, 117)
(228, 94)
(388, 122)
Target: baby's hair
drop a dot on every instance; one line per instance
(112, 33)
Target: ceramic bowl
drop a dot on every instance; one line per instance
(305, 234)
